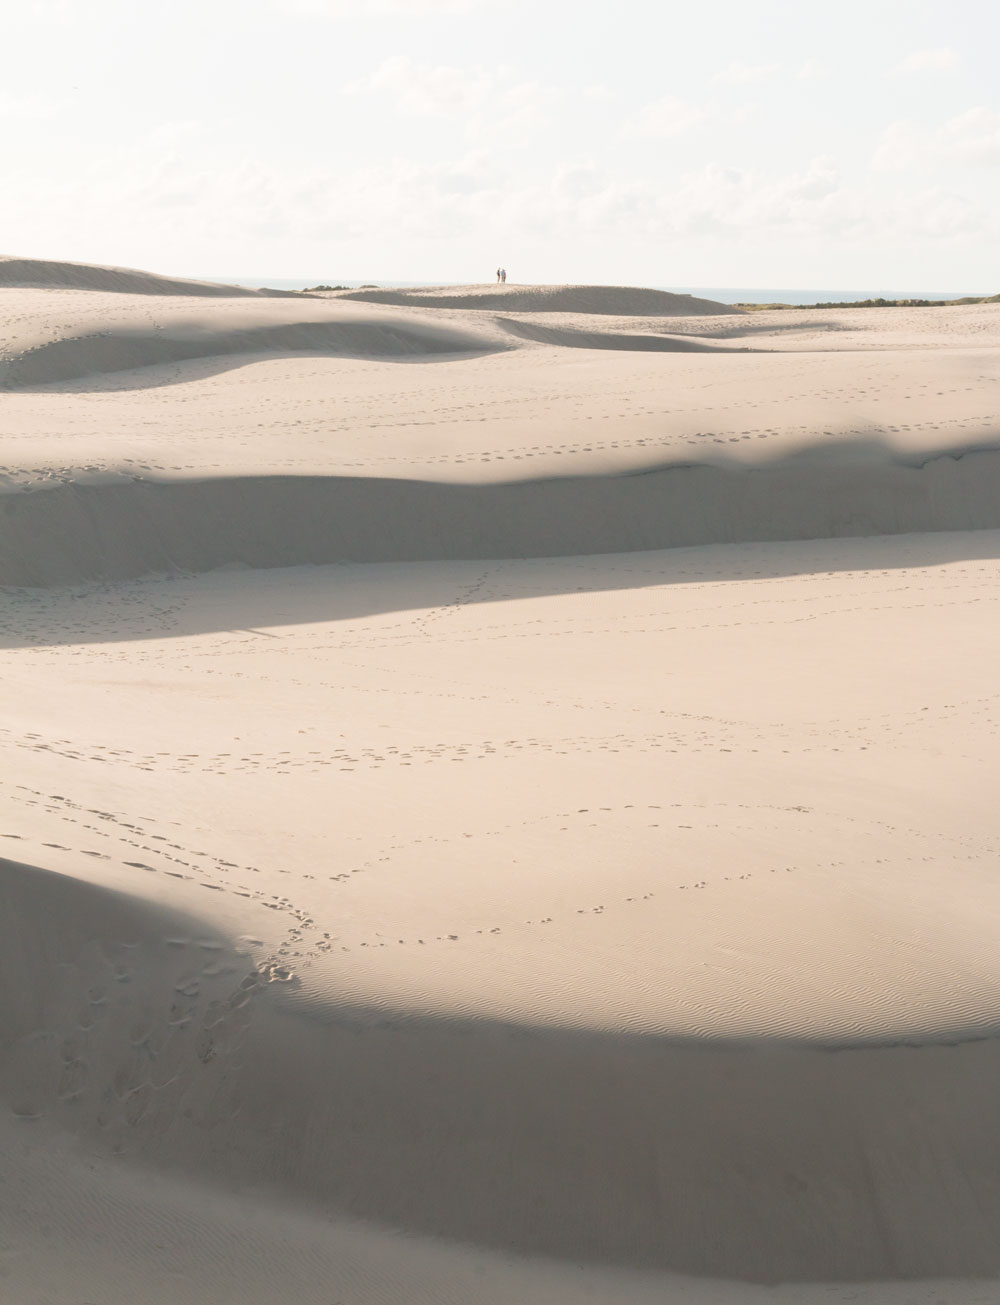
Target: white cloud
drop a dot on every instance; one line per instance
(899, 148)
(172, 135)
(940, 60)
(531, 152)
(378, 8)
(969, 139)
(744, 74)
(48, 10)
(943, 215)
(576, 181)
(522, 107)
(972, 137)
(19, 108)
(673, 117)
(494, 109)
(717, 199)
(443, 211)
(666, 117)
(425, 89)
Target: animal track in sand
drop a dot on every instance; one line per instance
(621, 858)
(144, 1041)
(683, 732)
(212, 873)
(550, 627)
(692, 731)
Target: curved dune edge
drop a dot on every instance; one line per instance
(565, 338)
(48, 274)
(128, 349)
(51, 921)
(76, 532)
(610, 300)
(144, 1032)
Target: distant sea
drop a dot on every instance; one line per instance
(723, 294)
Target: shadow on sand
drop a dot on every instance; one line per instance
(764, 1161)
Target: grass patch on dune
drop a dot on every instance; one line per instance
(876, 303)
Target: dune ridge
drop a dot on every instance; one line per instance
(568, 338)
(43, 273)
(123, 345)
(616, 301)
(129, 348)
(64, 534)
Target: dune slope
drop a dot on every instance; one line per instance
(127, 348)
(755, 1141)
(618, 301)
(65, 534)
(46, 273)
(570, 338)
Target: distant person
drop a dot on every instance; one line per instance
(503, 275)
(499, 274)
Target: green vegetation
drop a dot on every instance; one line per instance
(315, 289)
(875, 303)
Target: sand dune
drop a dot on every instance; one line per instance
(618, 301)
(128, 347)
(180, 1035)
(573, 339)
(723, 1123)
(46, 273)
(69, 533)
(498, 808)
(65, 945)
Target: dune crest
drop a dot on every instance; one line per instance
(43, 273)
(570, 337)
(611, 300)
(129, 348)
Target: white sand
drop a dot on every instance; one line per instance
(41, 272)
(532, 921)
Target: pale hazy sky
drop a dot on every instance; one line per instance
(721, 143)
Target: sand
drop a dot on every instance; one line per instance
(493, 816)
(41, 272)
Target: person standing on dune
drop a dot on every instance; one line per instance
(499, 274)
(503, 275)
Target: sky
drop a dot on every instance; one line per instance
(723, 143)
